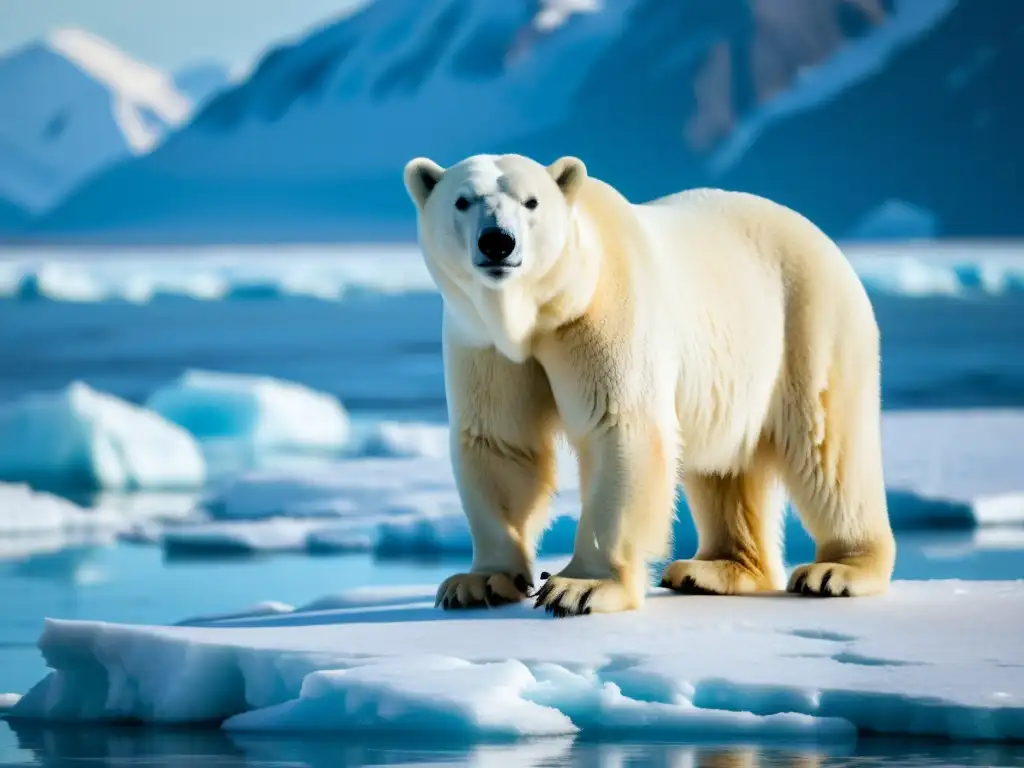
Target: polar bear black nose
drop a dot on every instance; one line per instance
(496, 244)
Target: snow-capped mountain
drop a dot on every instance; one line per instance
(653, 95)
(73, 104)
(935, 129)
(200, 81)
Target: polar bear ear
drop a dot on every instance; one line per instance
(421, 176)
(569, 174)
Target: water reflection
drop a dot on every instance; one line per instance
(122, 745)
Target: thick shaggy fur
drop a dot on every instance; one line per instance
(711, 339)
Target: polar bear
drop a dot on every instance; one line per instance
(709, 339)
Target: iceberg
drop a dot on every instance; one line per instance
(261, 412)
(81, 439)
(781, 667)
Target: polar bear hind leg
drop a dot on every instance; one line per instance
(832, 456)
(738, 520)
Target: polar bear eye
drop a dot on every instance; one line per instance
(531, 203)
(462, 203)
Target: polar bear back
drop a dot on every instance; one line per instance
(739, 246)
(750, 296)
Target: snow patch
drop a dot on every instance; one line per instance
(787, 667)
(857, 60)
(78, 438)
(134, 85)
(554, 13)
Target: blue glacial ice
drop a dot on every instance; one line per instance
(260, 412)
(81, 439)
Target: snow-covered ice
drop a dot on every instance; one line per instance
(83, 439)
(331, 274)
(263, 413)
(692, 668)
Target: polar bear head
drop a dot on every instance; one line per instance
(494, 219)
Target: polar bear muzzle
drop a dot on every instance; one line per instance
(496, 252)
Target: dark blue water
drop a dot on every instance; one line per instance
(382, 354)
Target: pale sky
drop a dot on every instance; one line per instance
(171, 33)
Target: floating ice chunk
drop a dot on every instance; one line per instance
(32, 523)
(911, 277)
(83, 439)
(8, 700)
(403, 439)
(953, 468)
(281, 534)
(767, 668)
(340, 539)
(23, 510)
(266, 413)
(350, 488)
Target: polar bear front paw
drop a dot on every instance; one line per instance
(836, 580)
(711, 577)
(481, 590)
(563, 596)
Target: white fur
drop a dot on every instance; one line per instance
(709, 338)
